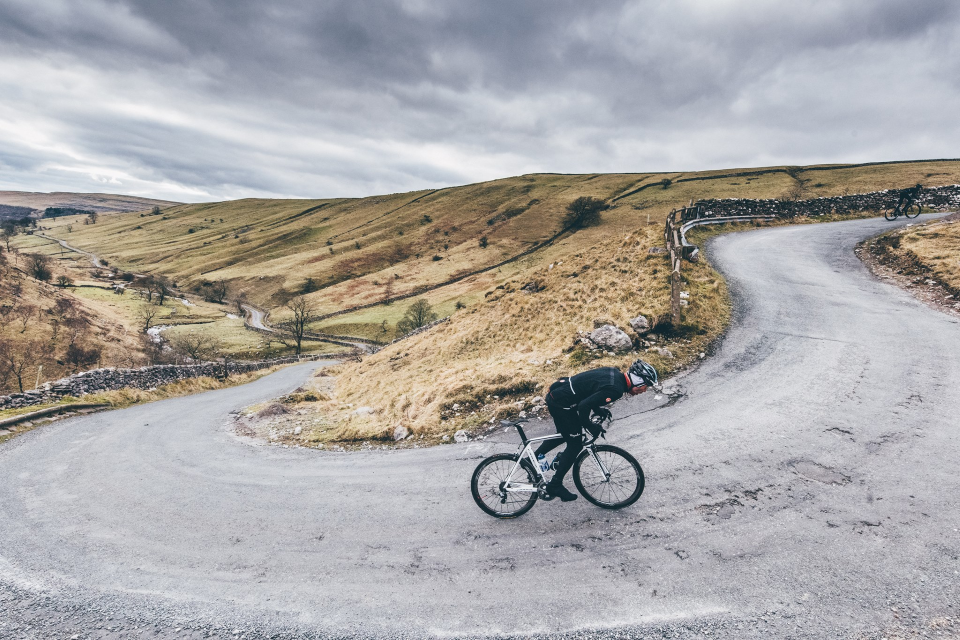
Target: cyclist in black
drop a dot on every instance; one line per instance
(571, 401)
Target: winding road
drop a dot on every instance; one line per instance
(805, 486)
(94, 259)
(257, 319)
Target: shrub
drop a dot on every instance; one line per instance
(583, 212)
(309, 285)
(418, 314)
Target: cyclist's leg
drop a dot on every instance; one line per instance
(571, 432)
(560, 416)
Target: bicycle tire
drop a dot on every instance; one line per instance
(624, 492)
(481, 487)
(891, 214)
(907, 211)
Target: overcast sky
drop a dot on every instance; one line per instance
(216, 99)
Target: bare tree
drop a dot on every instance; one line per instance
(303, 314)
(145, 316)
(4, 370)
(25, 314)
(82, 358)
(8, 311)
(218, 291)
(241, 300)
(160, 285)
(197, 346)
(17, 357)
(62, 308)
(39, 267)
(7, 235)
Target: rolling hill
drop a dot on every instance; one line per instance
(493, 255)
(99, 202)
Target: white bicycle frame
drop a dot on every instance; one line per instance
(526, 451)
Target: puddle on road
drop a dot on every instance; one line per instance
(819, 473)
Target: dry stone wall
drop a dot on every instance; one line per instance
(934, 198)
(110, 379)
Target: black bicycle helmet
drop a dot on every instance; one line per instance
(645, 372)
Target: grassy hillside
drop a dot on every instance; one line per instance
(361, 251)
(47, 332)
(40, 320)
(100, 202)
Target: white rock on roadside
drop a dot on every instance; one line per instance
(363, 411)
(640, 324)
(298, 431)
(611, 338)
(401, 432)
(461, 436)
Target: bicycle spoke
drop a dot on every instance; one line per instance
(621, 483)
(492, 483)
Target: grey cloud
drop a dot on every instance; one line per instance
(346, 97)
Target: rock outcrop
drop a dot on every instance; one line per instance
(610, 338)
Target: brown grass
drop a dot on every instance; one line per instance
(936, 246)
(501, 343)
(508, 347)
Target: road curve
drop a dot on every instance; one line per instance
(257, 319)
(94, 259)
(805, 486)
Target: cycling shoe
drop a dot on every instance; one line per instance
(561, 492)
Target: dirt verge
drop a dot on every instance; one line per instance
(888, 260)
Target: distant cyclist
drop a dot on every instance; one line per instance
(571, 401)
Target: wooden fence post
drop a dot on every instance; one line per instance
(672, 233)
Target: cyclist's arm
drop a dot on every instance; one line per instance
(602, 396)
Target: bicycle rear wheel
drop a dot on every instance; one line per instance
(891, 214)
(912, 211)
(611, 478)
(491, 483)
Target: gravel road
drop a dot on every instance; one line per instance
(804, 486)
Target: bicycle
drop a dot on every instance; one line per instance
(507, 485)
(911, 211)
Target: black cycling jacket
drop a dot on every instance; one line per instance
(587, 391)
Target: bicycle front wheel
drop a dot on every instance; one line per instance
(503, 489)
(608, 476)
(912, 211)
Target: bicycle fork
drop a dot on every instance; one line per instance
(599, 463)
